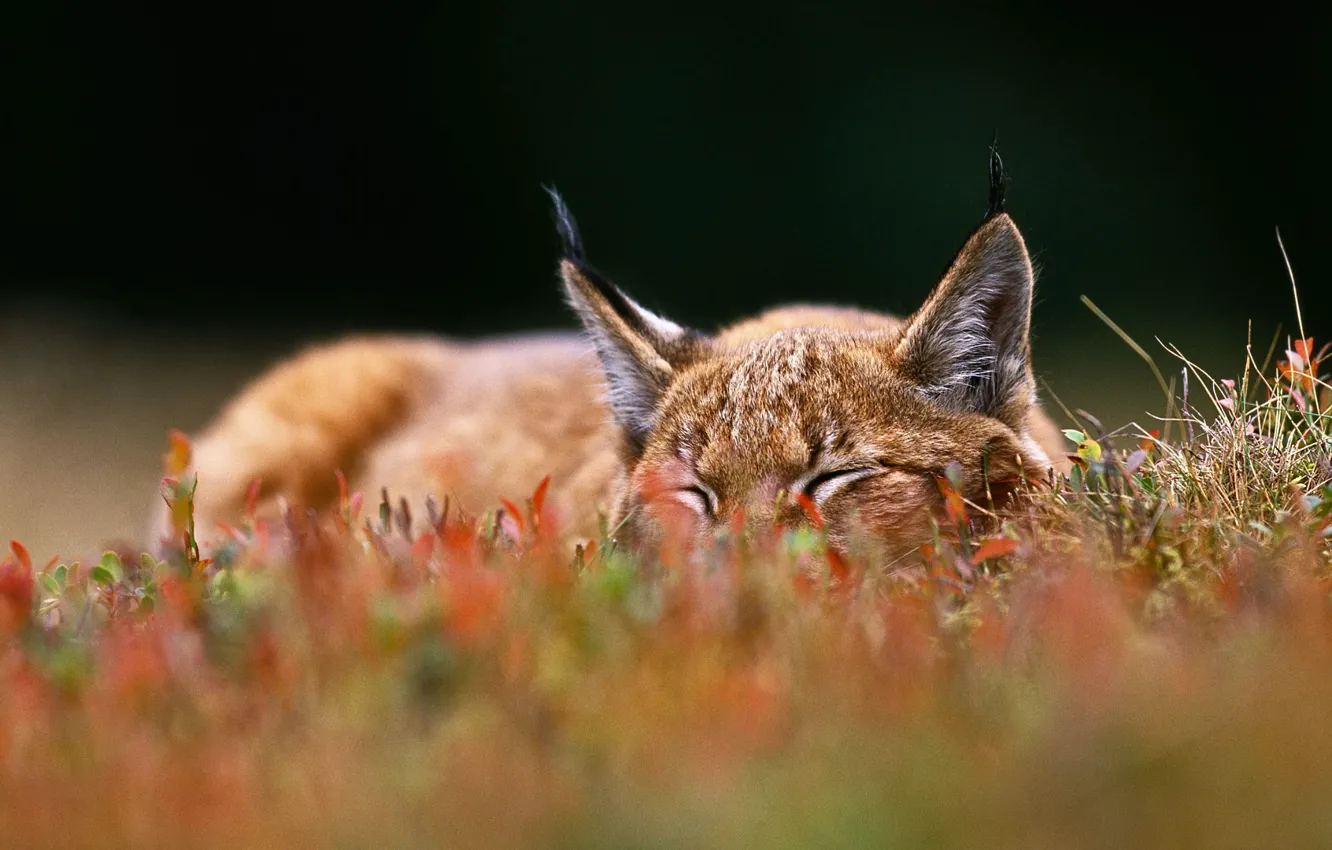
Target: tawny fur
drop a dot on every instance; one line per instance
(749, 412)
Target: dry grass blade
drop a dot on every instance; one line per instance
(1167, 389)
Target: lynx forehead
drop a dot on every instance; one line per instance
(760, 393)
(639, 416)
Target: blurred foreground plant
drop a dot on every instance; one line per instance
(1135, 654)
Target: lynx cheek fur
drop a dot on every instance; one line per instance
(647, 421)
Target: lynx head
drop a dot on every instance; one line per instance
(858, 412)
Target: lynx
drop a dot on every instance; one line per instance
(643, 421)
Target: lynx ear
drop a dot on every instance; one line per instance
(640, 352)
(968, 347)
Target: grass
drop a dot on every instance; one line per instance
(1137, 654)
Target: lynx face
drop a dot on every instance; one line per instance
(815, 411)
(858, 412)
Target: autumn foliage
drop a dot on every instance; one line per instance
(1124, 657)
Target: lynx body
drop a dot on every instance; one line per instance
(643, 420)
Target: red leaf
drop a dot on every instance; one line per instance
(804, 583)
(342, 487)
(738, 521)
(261, 535)
(22, 554)
(423, 548)
(252, 497)
(512, 512)
(954, 506)
(996, 548)
(475, 604)
(811, 510)
(539, 496)
(231, 531)
(16, 589)
(838, 566)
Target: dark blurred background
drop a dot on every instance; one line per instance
(194, 191)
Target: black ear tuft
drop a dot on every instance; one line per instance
(997, 181)
(565, 225)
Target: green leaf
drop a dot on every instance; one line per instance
(804, 541)
(102, 575)
(1324, 506)
(111, 563)
(49, 582)
(615, 579)
(1075, 435)
(148, 563)
(60, 573)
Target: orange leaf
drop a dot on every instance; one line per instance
(1149, 443)
(996, 548)
(177, 457)
(1304, 348)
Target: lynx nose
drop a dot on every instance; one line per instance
(772, 502)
